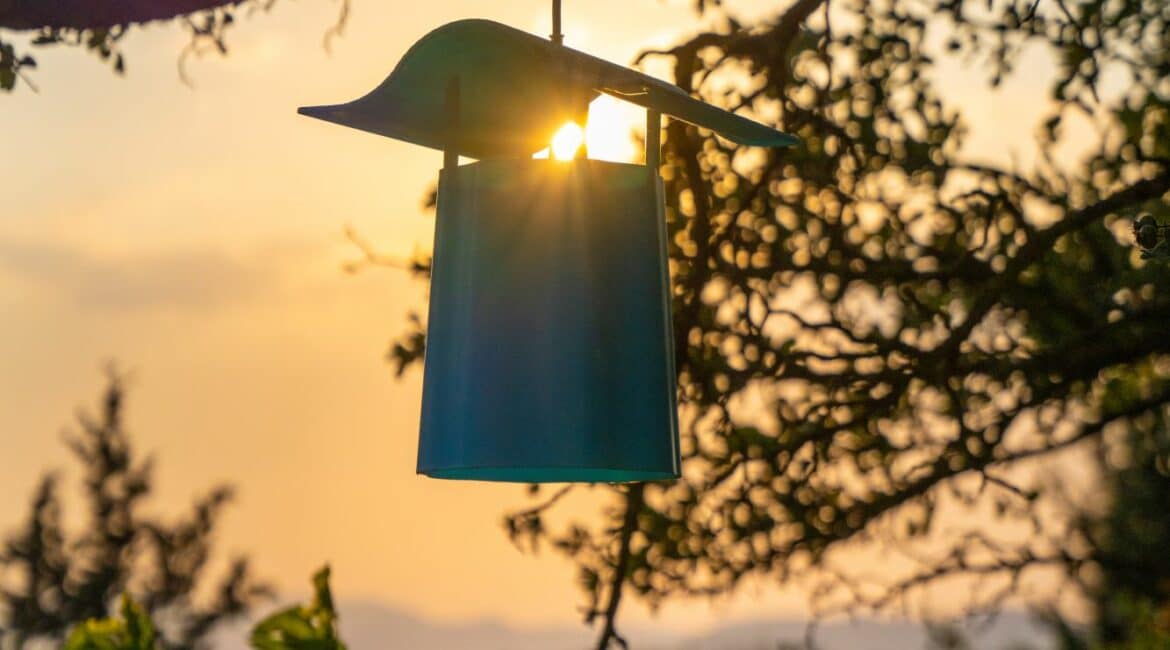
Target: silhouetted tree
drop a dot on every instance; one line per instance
(875, 331)
(53, 580)
(1130, 538)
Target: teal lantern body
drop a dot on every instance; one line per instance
(549, 354)
(549, 350)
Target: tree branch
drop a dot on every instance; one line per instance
(629, 525)
(89, 14)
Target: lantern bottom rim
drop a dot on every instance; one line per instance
(549, 474)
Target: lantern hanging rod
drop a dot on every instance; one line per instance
(556, 36)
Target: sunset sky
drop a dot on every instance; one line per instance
(195, 236)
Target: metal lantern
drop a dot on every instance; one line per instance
(549, 350)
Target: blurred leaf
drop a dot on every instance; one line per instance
(132, 630)
(312, 627)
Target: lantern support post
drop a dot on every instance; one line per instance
(653, 139)
(450, 148)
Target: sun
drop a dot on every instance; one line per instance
(608, 134)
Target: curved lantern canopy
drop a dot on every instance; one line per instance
(549, 349)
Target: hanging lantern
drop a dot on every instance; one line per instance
(549, 350)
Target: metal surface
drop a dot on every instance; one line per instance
(556, 36)
(451, 112)
(549, 352)
(653, 140)
(516, 90)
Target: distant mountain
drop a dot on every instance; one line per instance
(1010, 631)
(371, 626)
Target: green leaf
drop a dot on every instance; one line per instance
(132, 631)
(312, 627)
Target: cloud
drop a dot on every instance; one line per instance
(195, 278)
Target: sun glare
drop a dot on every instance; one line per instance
(610, 131)
(567, 141)
(608, 135)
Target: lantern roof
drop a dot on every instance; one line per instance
(514, 91)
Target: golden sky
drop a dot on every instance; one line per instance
(195, 236)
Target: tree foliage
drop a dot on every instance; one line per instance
(53, 579)
(1131, 535)
(876, 332)
(98, 26)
